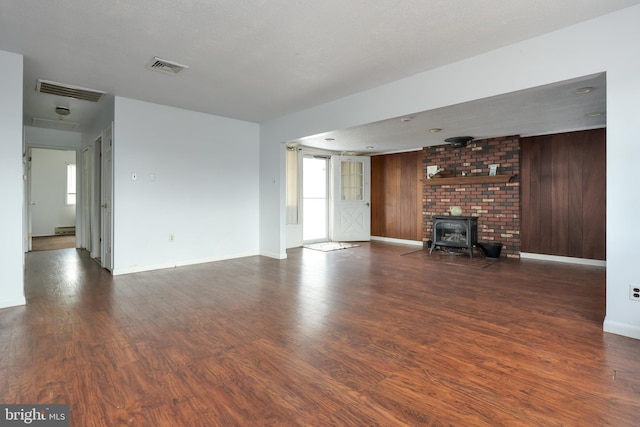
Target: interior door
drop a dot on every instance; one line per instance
(106, 254)
(86, 199)
(29, 204)
(351, 198)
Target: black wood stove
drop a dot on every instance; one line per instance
(455, 232)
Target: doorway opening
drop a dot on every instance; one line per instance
(52, 199)
(315, 199)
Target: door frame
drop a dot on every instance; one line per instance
(327, 159)
(106, 199)
(28, 214)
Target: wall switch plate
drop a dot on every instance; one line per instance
(634, 292)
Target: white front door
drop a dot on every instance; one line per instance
(107, 193)
(351, 211)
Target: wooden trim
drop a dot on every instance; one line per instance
(478, 179)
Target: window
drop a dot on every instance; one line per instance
(352, 180)
(70, 198)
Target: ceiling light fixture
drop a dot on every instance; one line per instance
(369, 147)
(406, 119)
(584, 90)
(329, 139)
(435, 130)
(594, 114)
(63, 110)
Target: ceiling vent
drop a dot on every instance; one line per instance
(165, 66)
(55, 124)
(75, 92)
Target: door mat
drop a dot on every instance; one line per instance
(330, 246)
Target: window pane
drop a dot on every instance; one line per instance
(71, 184)
(352, 180)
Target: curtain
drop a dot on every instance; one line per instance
(292, 186)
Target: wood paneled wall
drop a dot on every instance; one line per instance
(396, 195)
(563, 194)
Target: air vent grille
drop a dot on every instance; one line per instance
(75, 92)
(55, 124)
(166, 66)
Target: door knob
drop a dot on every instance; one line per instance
(367, 204)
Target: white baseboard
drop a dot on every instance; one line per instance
(6, 303)
(565, 259)
(624, 329)
(273, 255)
(401, 241)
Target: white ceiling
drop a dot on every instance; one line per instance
(546, 109)
(256, 60)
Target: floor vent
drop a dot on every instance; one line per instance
(166, 66)
(59, 231)
(75, 92)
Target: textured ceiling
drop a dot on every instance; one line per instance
(258, 60)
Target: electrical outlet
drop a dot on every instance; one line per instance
(634, 292)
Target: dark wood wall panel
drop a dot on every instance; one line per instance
(377, 196)
(545, 222)
(395, 186)
(563, 204)
(594, 200)
(391, 187)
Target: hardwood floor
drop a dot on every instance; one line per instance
(49, 243)
(365, 336)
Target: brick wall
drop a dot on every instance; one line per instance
(497, 206)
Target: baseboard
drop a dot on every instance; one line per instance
(273, 255)
(401, 241)
(565, 259)
(6, 303)
(624, 329)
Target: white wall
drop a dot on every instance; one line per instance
(11, 173)
(197, 179)
(48, 191)
(607, 44)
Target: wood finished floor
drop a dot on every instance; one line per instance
(49, 243)
(360, 337)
